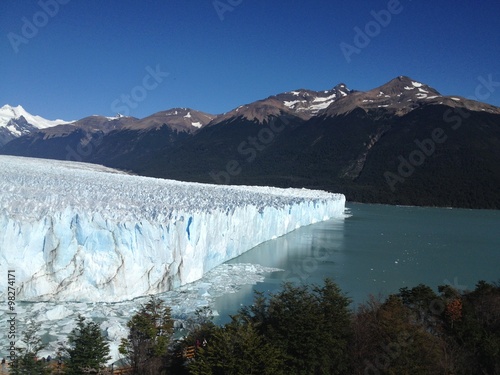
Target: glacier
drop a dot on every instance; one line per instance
(86, 233)
(58, 319)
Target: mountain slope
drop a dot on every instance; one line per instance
(400, 143)
(124, 142)
(16, 122)
(400, 96)
(413, 159)
(179, 119)
(300, 103)
(355, 145)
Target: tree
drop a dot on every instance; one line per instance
(473, 324)
(421, 300)
(237, 349)
(88, 351)
(200, 330)
(311, 325)
(150, 333)
(27, 361)
(336, 330)
(391, 339)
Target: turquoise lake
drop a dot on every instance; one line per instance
(378, 249)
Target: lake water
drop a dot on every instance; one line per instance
(375, 249)
(378, 249)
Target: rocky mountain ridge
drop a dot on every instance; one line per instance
(400, 143)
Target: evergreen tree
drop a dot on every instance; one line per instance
(311, 325)
(27, 361)
(150, 333)
(237, 349)
(336, 329)
(200, 331)
(87, 351)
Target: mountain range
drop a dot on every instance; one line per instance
(400, 143)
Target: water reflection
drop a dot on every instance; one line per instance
(307, 255)
(378, 250)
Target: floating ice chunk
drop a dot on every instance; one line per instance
(113, 317)
(58, 313)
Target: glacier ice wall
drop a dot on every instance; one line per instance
(81, 232)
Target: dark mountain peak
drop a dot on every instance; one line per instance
(341, 87)
(87, 125)
(20, 120)
(15, 128)
(405, 90)
(259, 111)
(300, 103)
(400, 96)
(405, 85)
(177, 111)
(102, 123)
(179, 119)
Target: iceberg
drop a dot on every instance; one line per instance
(86, 233)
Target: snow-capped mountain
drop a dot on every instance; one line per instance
(401, 96)
(300, 103)
(9, 114)
(101, 123)
(16, 122)
(179, 119)
(337, 139)
(311, 103)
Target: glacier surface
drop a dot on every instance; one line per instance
(87, 233)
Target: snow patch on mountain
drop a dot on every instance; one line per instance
(292, 103)
(318, 107)
(325, 99)
(8, 113)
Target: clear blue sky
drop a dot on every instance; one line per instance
(89, 53)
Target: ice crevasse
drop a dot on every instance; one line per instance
(82, 232)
